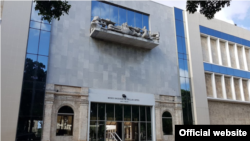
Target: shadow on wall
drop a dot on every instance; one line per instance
(131, 54)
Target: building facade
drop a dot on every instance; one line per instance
(119, 70)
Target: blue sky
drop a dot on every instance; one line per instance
(237, 13)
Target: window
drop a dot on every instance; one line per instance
(65, 119)
(167, 123)
(118, 14)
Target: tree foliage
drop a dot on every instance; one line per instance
(52, 9)
(208, 7)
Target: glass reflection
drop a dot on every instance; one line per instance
(46, 27)
(34, 14)
(127, 113)
(93, 111)
(37, 103)
(145, 21)
(95, 8)
(143, 131)
(101, 111)
(33, 41)
(148, 109)
(122, 16)
(149, 131)
(43, 60)
(30, 67)
(118, 112)
(92, 130)
(34, 24)
(101, 130)
(138, 20)
(131, 18)
(142, 113)
(44, 43)
(105, 11)
(113, 13)
(110, 111)
(135, 113)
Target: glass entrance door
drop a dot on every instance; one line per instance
(114, 122)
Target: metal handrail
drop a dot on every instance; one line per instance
(112, 136)
(117, 136)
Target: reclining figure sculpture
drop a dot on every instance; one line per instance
(124, 28)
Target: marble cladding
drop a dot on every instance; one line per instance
(79, 60)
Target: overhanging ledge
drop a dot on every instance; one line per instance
(112, 36)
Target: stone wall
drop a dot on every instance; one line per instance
(228, 88)
(232, 56)
(237, 89)
(240, 56)
(209, 85)
(218, 86)
(1, 8)
(223, 53)
(204, 47)
(214, 51)
(173, 106)
(58, 96)
(228, 113)
(245, 89)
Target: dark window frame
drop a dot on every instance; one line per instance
(167, 118)
(67, 115)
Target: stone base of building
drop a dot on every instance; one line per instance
(77, 98)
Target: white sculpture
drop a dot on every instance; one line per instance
(124, 28)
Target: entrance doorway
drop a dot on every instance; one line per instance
(115, 122)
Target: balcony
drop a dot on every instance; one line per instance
(106, 30)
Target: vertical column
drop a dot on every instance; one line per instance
(48, 105)
(241, 90)
(223, 84)
(236, 56)
(213, 85)
(244, 58)
(232, 87)
(209, 49)
(83, 119)
(228, 55)
(219, 51)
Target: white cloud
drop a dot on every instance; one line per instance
(237, 9)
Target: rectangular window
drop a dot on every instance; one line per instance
(119, 15)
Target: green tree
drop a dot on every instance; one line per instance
(208, 7)
(52, 9)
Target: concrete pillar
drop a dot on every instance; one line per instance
(209, 49)
(244, 58)
(213, 85)
(224, 92)
(228, 55)
(83, 121)
(219, 51)
(233, 88)
(236, 56)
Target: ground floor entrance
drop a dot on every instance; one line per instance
(118, 122)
